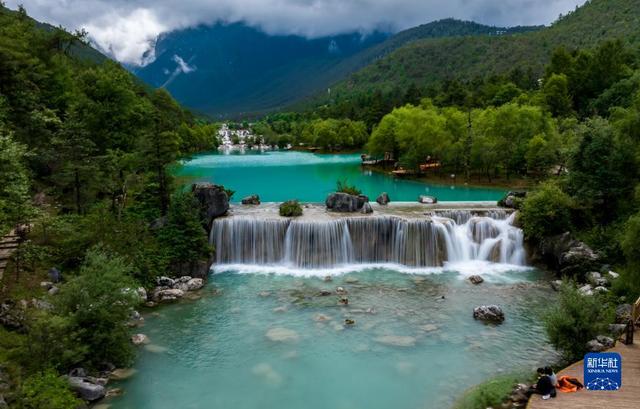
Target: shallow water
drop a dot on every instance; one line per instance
(412, 349)
(282, 175)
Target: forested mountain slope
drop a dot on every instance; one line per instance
(430, 61)
(233, 69)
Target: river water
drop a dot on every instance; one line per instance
(282, 175)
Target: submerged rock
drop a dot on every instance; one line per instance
(383, 199)
(265, 371)
(476, 279)
(280, 334)
(489, 313)
(397, 340)
(139, 339)
(349, 321)
(429, 327)
(122, 373)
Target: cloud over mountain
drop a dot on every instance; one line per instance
(128, 28)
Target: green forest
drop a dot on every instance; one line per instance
(84, 156)
(86, 152)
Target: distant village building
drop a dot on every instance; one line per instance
(231, 139)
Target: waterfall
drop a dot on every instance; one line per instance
(445, 236)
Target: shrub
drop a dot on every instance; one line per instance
(343, 186)
(46, 390)
(546, 212)
(290, 208)
(488, 394)
(575, 320)
(98, 307)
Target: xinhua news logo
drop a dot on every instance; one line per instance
(603, 371)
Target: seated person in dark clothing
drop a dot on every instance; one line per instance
(543, 387)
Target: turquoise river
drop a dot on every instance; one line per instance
(276, 336)
(280, 175)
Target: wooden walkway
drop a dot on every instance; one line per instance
(627, 397)
(8, 244)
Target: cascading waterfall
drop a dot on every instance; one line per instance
(445, 236)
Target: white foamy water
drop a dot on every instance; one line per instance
(463, 241)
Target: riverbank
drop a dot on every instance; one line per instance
(445, 179)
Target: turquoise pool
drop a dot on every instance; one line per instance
(283, 175)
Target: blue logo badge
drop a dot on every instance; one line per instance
(603, 371)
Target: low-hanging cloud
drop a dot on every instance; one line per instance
(127, 29)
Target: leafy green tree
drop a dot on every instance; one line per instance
(97, 304)
(159, 150)
(183, 237)
(556, 95)
(46, 390)
(602, 170)
(541, 155)
(15, 204)
(76, 153)
(546, 212)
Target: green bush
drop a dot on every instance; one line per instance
(46, 390)
(290, 208)
(488, 394)
(343, 186)
(98, 306)
(546, 212)
(575, 320)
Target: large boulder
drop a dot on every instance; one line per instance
(595, 346)
(345, 203)
(383, 199)
(623, 313)
(489, 313)
(86, 390)
(512, 200)
(366, 208)
(213, 199)
(251, 200)
(162, 294)
(569, 256)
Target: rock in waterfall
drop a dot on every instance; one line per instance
(213, 199)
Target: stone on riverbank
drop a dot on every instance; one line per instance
(383, 199)
(122, 374)
(86, 390)
(569, 256)
(623, 313)
(595, 346)
(489, 313)
(167, 295)
(556, 285)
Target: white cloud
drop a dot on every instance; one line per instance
(182, 65)
(128, 28)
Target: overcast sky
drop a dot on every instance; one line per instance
(128, 28)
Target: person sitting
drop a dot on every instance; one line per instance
(543, 386)
(554, 378)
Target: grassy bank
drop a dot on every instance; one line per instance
(491, 393)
